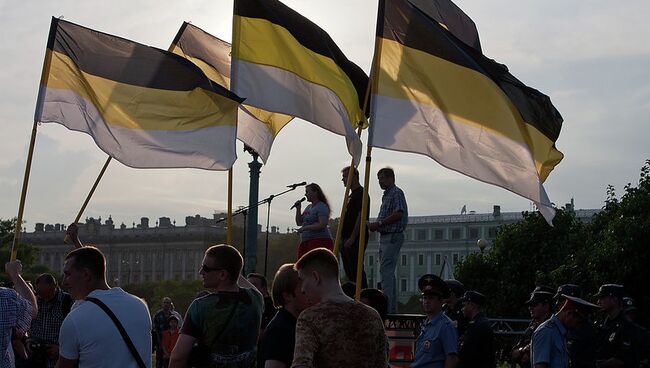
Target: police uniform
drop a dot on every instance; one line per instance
(455, 313)
(438, 337)
(539, 294)
(617, 336)
(549, 344)
(581, 341)
(477, 343)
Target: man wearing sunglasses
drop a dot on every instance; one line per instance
(225, 322)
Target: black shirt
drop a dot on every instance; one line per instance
(617, 338)
(477, 344)
(278, 339)
(352, 211)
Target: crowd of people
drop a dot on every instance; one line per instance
(308, 319)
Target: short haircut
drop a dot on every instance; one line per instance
(260, 277)
(387, 172)
(321, 260)
(226, 257)
(285, 281)
(345, 169)
(377, 300)
(90, 258)
(46, 278)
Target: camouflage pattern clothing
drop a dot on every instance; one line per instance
(340, 334)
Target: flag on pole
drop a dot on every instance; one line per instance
(146, 107)
(438, 96)
(283, 62)
(255, 127)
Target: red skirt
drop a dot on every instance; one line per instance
(311, 244)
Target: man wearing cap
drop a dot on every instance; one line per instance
(540, 308)
(437, 344)
(581, 341)
(452, 306)
(548, 347)
(617, 343)
(477, 343)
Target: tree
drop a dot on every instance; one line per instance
(27, 253)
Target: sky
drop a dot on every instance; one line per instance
(591, 57)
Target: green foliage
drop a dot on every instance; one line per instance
(612, 248)
(27, 253)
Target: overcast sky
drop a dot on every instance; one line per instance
(591, 57)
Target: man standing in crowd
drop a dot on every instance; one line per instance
(437, 344)
(278, 340)
(160, 325)
(350, 229)
(89, 337)
(227, 321)
(17, 307)
(477, 343)
(540, 305)
(617, 339)
(452, 307)
(548, 347)
(53, 306)
(338, 331)
(391, 223)
(260, 283)
(581, 341)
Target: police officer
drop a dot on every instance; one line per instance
(581, 341)
(437, 344)
(548, 346)
(477, 343)
(540, 307)
(452, 307)
(617, 337)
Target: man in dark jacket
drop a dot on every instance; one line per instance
(477, 343)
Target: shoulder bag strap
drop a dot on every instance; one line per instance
(120, 328)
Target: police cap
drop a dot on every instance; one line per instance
(580, 306)
(615, 290)
(540, 294)
(473, 297)
(430, 284)
(628, 304)
(567, 289)
(456, 287)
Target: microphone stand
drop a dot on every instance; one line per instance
(244, 210)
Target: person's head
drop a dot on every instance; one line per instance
(84, 270)
(540, 303)
(318, 271)
(349, 288)
(286, 290)
(629, 309)
(563, 291)
(386, 177)
(610, 297)
(473, 302)
(575, 312)
(434, 291)
(221, 267)
(260, 283)
(344, 175)
(375, 299)
(46, 286)
(314, 193)
(166, 304)
(173, 322)
(456, 290)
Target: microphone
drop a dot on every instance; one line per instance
(298, 202)
(294, 186)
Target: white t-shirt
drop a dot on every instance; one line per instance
(90, 336)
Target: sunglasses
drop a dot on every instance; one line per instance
(206, 269)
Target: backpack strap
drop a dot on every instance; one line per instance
(121, 329)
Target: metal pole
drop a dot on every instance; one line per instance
(251, 226)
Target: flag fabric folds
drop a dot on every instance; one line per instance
(146, 107)
(257, 128)
(441, 97)
(282, 62)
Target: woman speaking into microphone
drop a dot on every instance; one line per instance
(313, 229)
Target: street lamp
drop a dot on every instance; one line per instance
(482, 244)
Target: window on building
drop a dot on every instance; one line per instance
(420, 259)
(421, 234)
(371, 261)
(438, 259)
(455, 233)
(492, 232)
(404, 260)
(403, 285)
(454, 258)
(438, 234)
(473, 233)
